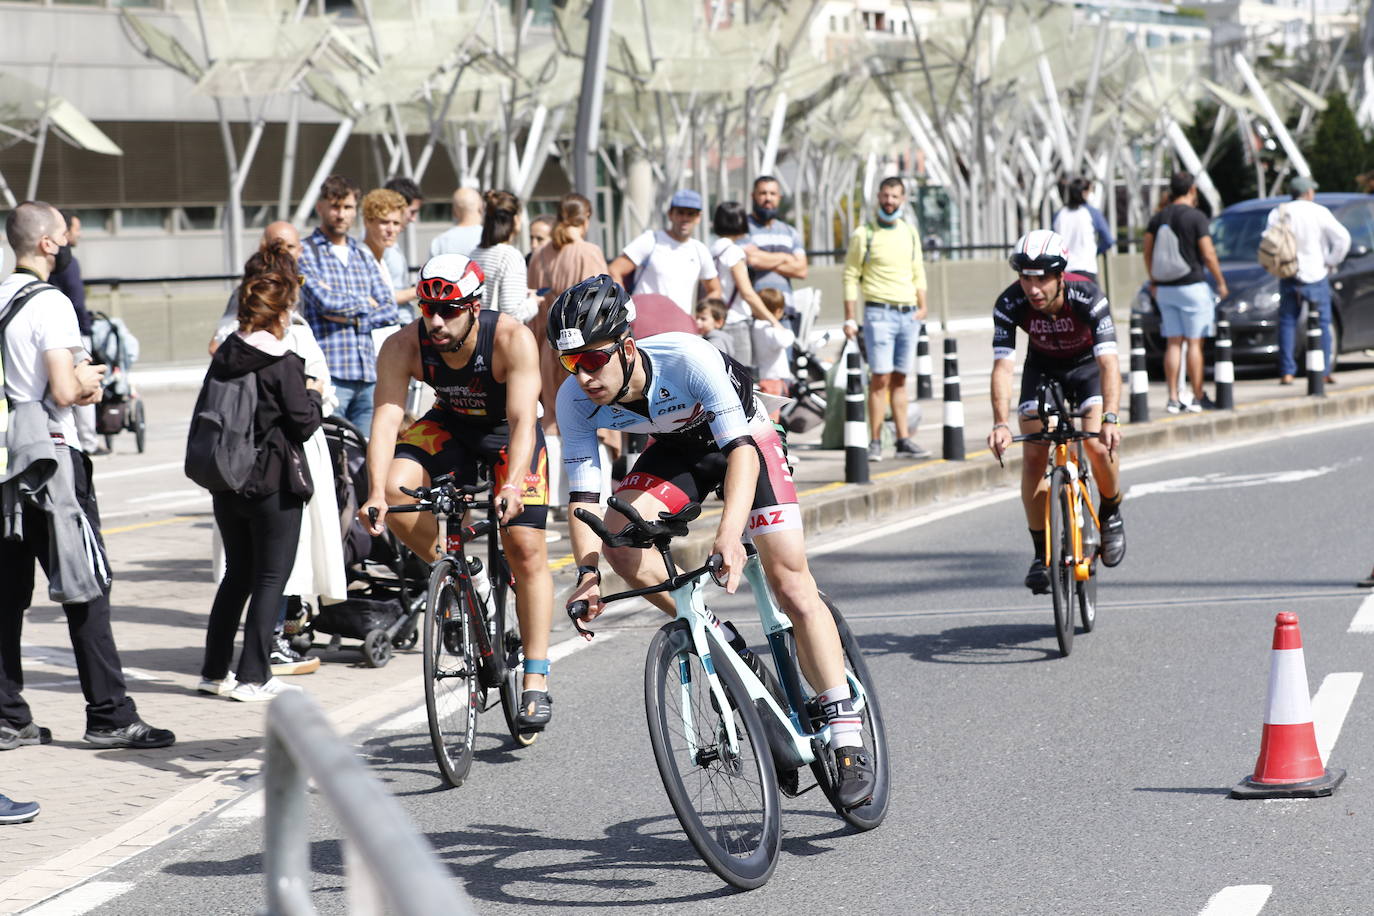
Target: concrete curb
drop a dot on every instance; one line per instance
(838, 505)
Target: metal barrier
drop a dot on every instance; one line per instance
(397, 870)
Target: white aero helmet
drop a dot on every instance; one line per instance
(1040, 252)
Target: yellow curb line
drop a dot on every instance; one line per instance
(165, 521)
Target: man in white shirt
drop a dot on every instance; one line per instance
(45, 361)
(1322, 245)
(670, 263)
(466, 233)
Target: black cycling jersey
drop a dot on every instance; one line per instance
(470, 393)
(1081, 330)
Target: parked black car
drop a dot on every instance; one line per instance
(1252, 305)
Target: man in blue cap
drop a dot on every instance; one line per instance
(670, 263)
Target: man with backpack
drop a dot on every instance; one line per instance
(1314, 244)
(50, 511)
(1178, 245)
(884, 263)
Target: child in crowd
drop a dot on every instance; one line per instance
(771, 342)
(710, 319)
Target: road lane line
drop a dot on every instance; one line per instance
(1363, 621)
(1238, 900)
(83, 899)
(1330, 706)
(130, 472)
(141, 525)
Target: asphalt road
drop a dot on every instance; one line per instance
(1023, 782)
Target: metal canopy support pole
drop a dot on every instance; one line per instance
(1089, 96)
(1295, 156)
(288, 159)
(41, 142)
(331, 155)
(586, 134)
(6, 193)
(1056, 113)
(770, 149)
(1193, 164)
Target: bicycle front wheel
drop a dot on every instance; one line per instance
(870, 815)
(1060, 558)
(451, 687)
(726, 799)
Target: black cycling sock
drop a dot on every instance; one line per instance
(1038, 539)
(1109, 507)
(732, 636)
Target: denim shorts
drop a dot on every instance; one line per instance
(890, 339)
(1186, 311)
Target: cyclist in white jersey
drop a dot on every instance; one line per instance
(709, 433)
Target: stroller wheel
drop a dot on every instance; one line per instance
(138, 425)
(407, 641)
(376, 649)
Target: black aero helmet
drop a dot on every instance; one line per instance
(598, 308)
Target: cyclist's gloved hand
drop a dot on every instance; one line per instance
(373, 515)
(511, 501)
(588, 590)
(733, 558)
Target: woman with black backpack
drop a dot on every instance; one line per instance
(260, 520)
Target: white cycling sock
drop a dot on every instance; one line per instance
(846, 725)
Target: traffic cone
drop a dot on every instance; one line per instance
(1289, 765)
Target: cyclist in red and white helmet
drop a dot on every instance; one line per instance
(1068, 323)
(484, 369)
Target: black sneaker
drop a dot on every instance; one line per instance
(11, 738)
(138, 734)
(855, 769)
(285, 660)
(1038, 577)
(1113, 540)
(908, 448)
(536, 709)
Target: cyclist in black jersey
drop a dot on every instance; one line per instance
(484, 369)
(1071, 337)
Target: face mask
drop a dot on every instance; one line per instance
(887, 219)
(765, 214)
(64, 257)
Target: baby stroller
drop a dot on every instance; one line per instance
(120, 406)
(386, 581)
(806, 406)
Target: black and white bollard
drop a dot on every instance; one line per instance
(855, 425)
(1223, 370)
(924, 388)
(1316, 356)
(1140, 378)
(954, 407)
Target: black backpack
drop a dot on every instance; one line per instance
(220, 451)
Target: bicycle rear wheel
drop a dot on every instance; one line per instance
(451, 688)
(870, 815)
(1059, 559)
(507, 641)
(727, 801)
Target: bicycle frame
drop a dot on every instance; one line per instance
(791, 744)
(1071, 459)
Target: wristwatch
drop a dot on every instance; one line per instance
(584, 570)
(1110, 418)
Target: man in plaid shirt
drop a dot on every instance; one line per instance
(344, 298)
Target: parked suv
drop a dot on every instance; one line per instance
(1253, 304)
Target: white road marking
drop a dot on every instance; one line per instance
(1363, 621)
(82, 899)
(169, 494)
(1219, 481)
(1238, 900)
(1330, 705)
(130, 472)
(251, 807)
(65, 658)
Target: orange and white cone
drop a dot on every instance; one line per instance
(1289, 764)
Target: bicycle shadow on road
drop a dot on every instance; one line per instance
(988, 644)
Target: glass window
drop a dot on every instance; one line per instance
(1359, 220)
(93, 220)
(1237, 235)
(436, 212)
(193, 219)
(258, 217)
(143, 218)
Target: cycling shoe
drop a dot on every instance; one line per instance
(1038, 578)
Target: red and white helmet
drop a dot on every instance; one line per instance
(450, 278)
(1040, 252)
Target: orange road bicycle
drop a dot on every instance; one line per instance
(1073, 535)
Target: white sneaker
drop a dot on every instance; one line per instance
(218, 688)
(261, 693)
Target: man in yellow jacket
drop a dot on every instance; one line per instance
(884, 265)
